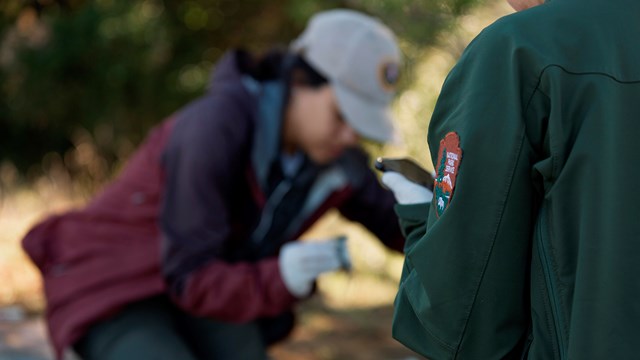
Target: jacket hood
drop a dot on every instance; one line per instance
(227, 69)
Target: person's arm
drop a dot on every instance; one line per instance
(202, 161)
(464, 289)
(371, 204)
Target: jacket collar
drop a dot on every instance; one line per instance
(266, 143)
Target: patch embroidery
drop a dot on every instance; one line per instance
(389, 73)
(450, 156)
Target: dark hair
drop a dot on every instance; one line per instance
(277, 63)
(301, 73)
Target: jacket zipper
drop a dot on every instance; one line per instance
(267, 213)
(551, 284)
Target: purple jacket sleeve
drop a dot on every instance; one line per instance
(203, 158)
(373, 206)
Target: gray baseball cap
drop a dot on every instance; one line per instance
(359, 56)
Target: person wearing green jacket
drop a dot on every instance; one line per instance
(531, 245)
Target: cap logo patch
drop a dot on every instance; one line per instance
(389, 75)
(450, 156)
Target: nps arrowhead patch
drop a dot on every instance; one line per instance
(450, 156)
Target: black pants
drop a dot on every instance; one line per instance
(155, 329)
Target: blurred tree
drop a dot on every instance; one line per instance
(115, 67)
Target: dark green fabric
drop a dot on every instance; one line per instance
(540, 244)
(155, 330)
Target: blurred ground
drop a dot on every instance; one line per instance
(23, 339)
(350, 317)
(323, 333)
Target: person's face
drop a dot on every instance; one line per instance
(313, 124)
(519, 5)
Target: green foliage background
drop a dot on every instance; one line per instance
(105, 71)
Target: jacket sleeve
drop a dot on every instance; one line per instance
(464, 289)
(201, 161)
(371, 204)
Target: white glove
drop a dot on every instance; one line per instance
(300, 264)
(405, 191)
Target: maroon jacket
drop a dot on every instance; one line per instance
(199, 233)
(96, 260)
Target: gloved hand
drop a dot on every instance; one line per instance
(300, 264)
(405, 191)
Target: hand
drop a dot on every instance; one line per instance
(405, 191)
(301, 262)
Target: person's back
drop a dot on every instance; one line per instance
(545, 106)
(586, 237)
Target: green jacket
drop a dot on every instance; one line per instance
(533, 249)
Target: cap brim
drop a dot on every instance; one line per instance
(369, 119)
